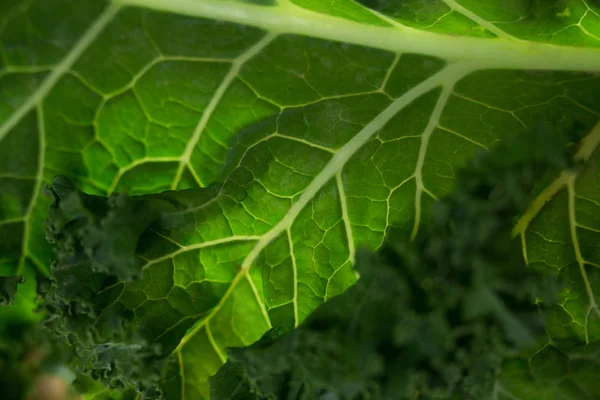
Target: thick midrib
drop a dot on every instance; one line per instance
(452, 73)
(491, 53)
(449, 74)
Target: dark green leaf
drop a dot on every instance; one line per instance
(8, 288)
(432, 319)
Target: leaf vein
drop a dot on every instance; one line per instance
(215, 100)
(73, 55)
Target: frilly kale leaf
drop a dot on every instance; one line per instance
(95, 241)
(8, 288)
(433, 319)
(100, 232)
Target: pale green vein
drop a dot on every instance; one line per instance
(586, 148)
(589, 144)
(327, 98)
(26, 69)
(478, 20)
(469, 99)
(546, 239)
(430, 194)
(536, 206)
(501, 53)
(583, 106)
(73, 55)
(588, 228)
(12, 221)
(181, 373)
(449, 74)
(595, 202)
(295, 276)
(397, 139)
(239, 276)
(208, 243)
(43, 267)
(388, 74)
(168, 239)
(159, 337)
(156, 61)
(326, 297)
(259, 301)
(584, 29)
(345, 216)
(36, 190)
(466, 138)
(214, 345)
(204, 280)
(214, 102)
(389, 207)
(589, 9)
(385, 18)
(292, 138)
(299, 140)
(135, 164)
(194, 174)
(429, 129)
(593, 306)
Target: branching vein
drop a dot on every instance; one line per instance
(86, 40)
(214, 102)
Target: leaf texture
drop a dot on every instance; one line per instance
(314, 127)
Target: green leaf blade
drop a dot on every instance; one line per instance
(312, 133)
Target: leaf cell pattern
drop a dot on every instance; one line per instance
(307, 147)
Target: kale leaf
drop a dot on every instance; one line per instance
(430, 319)
(95, 241)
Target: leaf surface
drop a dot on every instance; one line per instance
(313, 125)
